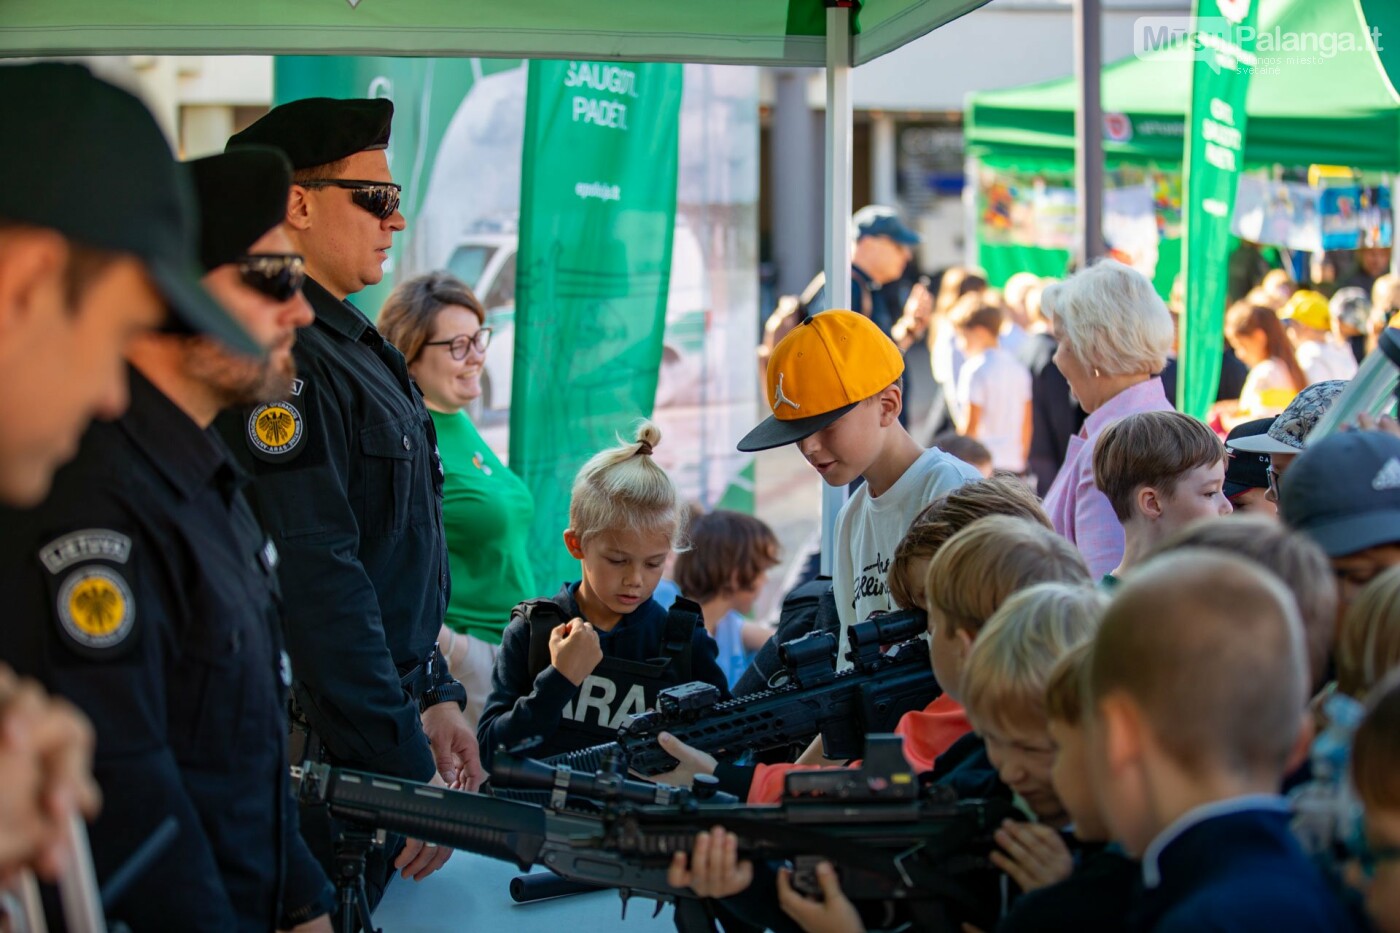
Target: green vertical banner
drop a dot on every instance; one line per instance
(1224, 38)
(427, 94)
(597, 216)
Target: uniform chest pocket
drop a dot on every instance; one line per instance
(383, 500)
(209, 687)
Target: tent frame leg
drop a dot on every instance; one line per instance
(837, 260)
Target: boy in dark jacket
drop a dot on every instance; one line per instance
(1195, 691)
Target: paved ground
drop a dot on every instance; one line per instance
(472, 893)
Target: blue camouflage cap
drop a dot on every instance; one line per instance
(1289, 432)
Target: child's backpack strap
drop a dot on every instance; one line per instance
(679, 637)
(542, 616)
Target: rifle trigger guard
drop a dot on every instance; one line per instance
(899, 864)
(559, 796)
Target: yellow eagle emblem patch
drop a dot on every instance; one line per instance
(275, 430)
(95, 608)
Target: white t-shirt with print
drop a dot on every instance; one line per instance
(869, 528)
(1000, 385)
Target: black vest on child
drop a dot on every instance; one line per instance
(632, 672)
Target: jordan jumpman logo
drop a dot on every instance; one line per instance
(779, 398)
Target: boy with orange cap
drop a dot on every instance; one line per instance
(836, 388)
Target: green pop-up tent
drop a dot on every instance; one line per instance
(1342, 110)
(760, 32)
(836, 33)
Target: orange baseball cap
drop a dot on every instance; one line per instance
(822, 369)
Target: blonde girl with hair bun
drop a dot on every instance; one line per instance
(573, 668)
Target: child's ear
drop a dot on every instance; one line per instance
(1149, 503)
(891, 404)
(1302, 744)
(573, 543)
(1123, 739)
(964, 639)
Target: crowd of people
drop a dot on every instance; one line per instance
(1173, 645)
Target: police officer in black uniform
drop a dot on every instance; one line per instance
(95, 233)
(349, 485)
(149, 598)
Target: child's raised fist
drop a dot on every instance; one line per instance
(574, 650)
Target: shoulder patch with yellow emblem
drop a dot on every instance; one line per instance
(275, 431)
(93, 602)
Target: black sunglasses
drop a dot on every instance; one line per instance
(279, 276)
(380, 198)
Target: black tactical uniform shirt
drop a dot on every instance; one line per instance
(144, 592)
(349, 486)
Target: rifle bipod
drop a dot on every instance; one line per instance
(351, 847)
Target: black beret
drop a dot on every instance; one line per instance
(317, 130)
(242, 195)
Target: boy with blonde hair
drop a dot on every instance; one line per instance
(1003, 690)
(836, 388)
(1196, 691)
(1001, 682)
(1160, 470)
(977, 570)
(1097, 894)
(971, 576)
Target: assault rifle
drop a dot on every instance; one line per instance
(807, 697)
(894, 839)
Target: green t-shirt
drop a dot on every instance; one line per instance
(487, 511)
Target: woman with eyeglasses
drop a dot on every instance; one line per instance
(438, 325)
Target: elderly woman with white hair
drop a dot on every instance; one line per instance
(1115, 334)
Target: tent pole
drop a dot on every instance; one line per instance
(837, 260)
(1088, 130)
